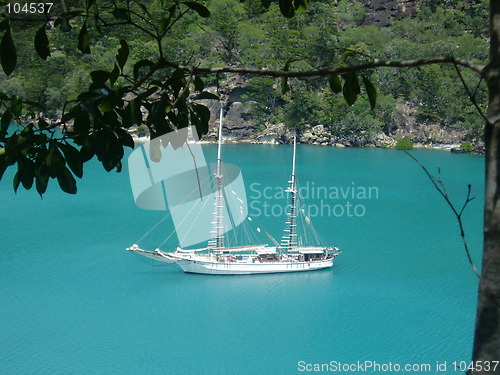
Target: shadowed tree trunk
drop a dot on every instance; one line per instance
(487, 334)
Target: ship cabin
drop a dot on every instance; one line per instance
(311, 255)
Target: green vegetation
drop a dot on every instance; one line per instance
(247, 34)
(467, 147)
(113, 65)
(404, 144)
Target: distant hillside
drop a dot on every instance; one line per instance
(427, 104)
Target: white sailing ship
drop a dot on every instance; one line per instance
(291, 255)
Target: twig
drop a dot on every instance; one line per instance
(438, 184)
(472, 96)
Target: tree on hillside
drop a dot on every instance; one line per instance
(166, 95)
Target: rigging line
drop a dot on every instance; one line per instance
(193, 221)
(184, 219)
(244, 228)
(154, 227)
(305, 213)
(163, 219)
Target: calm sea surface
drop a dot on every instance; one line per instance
(73, 301)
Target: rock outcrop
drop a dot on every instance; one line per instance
(240, 125)
(380, 12)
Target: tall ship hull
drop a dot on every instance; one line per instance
(218, 268)
(226, 263)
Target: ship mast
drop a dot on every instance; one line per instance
(290, 239)
(217, 241)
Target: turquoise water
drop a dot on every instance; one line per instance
(74, 302)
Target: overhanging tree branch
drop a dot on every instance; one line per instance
(375, 63)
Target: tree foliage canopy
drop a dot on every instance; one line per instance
(102, 67)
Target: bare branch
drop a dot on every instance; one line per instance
(376, 63)
(472, 96)
(438, 184)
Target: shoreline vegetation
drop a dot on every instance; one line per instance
(391, 143)
(430, 105)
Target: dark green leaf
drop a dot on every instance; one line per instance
(198, 8)
(350, 95)
(335, 83)
(42, 124)
(177, 81)
(5, 122)
(84, 40)
(42, 43)
(132, 114)
(28, 130)
(144, 8)
(87, 95)
(16, 107)
(41, 180)
(122, 56)
(114, 75)
(16, 182)
(66, 180)
(110, 102)
(4, 25)
(100, 76)
(156, 82)
(202, 114)
(147, 93)
(266, 3)
(141, 64)
(286, 8)
(300, 5)
(8, 54)
(206, 95)
(3, 164)
(198, 84)
(65, 25)
(70, 114)
(73, 159)
(371, 91)
(121, 14)
(87, 151)
(165, 21)
(125, 138)
(81, 124)
(89, 3)
(26, 172)
(351, 88)
(35, 104)
(54, 161)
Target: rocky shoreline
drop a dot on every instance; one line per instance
(276, 134)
